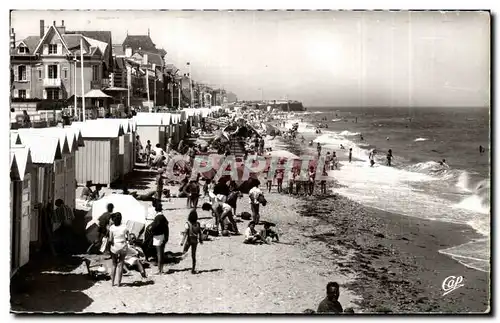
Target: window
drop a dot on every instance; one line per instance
(52, 94)
(21, 72)
(22, 50)
(95, 72)
(39, 73)
(52, 71)
(21, 94)
(52, 48)
(65, 73)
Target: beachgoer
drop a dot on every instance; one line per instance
(232, 199)
(342, 146)
(350, 154)
(361, 137)
(26, 123)
(389, 157)
(96, 195)
(104, 224)
(328, 159)
(251, 235)
(135, 255)
(312, 177)
(118, 235)
(323, 182)
(147, 152)
(159, 184)
(261, 146)
(269, 181)
(138, 149)
(62, 219)
(87, 191)
(159, 229)
(335, 161)
(280, 173)
(331, 302)
(192, 190)
(318, 148)
(443, 163)
(191, 237)
(481, 149)
(268, 234)
(254, 196)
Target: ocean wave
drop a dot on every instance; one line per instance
(348, 133)
(335, 120)
(421, 139)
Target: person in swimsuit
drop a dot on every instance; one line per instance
(350, 154)
(159, 229)
(118, 235)
(191, 237)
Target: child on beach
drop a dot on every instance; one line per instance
(192, 190)
(331, 302)
(191, 237)
(254, 196)
(269, 234)
(251, 235)
(135, 256)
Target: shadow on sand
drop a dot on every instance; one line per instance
(171, 271)
(50, 287)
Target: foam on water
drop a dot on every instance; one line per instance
(421, 139)
(400, 190)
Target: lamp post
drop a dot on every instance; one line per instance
(74, 86)
(190, 84)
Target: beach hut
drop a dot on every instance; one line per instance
(47, 183)
(98, 161)
(69, 146)
(21, 205)
(150, 127)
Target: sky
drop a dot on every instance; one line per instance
(322, 58)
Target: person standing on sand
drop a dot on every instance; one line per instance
(312, 178)
(192, 190)
(323, 182)
(389, 157)
(118, 235)
(159, 185)
(232, 199)
(318, 147)
(254, 195)
(350, 154)
(292, 175)
(269, 181)
(328, 159)
(191, 237)
(331, 302)
(160, 231)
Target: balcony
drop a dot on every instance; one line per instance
(47, 82)
(99, 84)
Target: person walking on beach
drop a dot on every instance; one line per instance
(335, 161)
(350, 154)
(280, 173)
(312, 178)
(159, 229)
(269, 181)
(191, 237)
(331, 302)
(389, 157)
(118, 235)
(254, 195)
(318, 148)
(291, 181)
(323, 182)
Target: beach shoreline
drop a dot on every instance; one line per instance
(396, 258)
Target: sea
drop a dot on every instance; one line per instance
(416, 184)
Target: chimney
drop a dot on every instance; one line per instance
(62, 29)
(54, 23)
(12, 39)
(42, 28)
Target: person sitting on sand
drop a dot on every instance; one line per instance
(331, 302)
(251, 235)
(135, 255)
(269, 234)
(191, 237)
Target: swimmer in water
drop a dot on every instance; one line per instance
(443, 163)
(342, 146)
(350, 154)
(361, 137)
(389, 157)
(481, 149)
(310, 143)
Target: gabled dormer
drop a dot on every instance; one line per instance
(22, 49)
(52, 44)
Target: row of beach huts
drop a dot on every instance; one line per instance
(47, 164)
